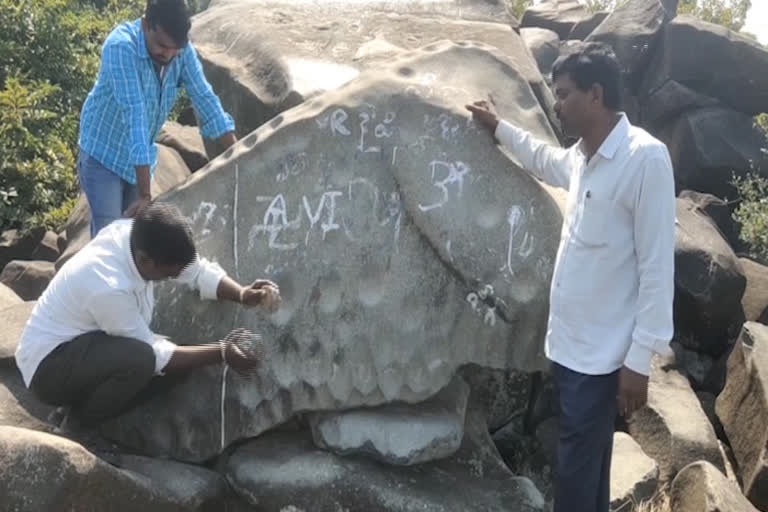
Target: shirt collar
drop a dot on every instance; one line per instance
(613, 141)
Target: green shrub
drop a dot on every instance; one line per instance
(50, 50)
(752, 214)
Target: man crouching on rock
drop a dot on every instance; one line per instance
(88, 344)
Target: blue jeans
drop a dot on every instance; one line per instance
(108, 194)
(588, 411)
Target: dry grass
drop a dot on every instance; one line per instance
(658, 503)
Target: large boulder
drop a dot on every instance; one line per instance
(263, 57)
(673, 428)
(40, 471)
(187, 142)
(13, 319)
(17, 245)
(720, 212)
(710, 145)
(701, 487)
(582, 29)
(668, 102)
(398, 434)
(743, 410)
(285, 471)
(730, 72)
(47, 249)
(170, 171)
(755, 299)
(389, 176)
(19, 407)
(634, 475)
(545, 47)
(8, 297)
(557, 15)
(632, 31)
(709, 282)
(27, 278)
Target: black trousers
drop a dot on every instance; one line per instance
(587, 414)
(97, 374)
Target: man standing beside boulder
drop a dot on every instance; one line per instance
(144, 63)
(88, 344)
(613, 282)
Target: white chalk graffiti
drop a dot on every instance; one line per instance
(337, 122)
(455, 172)
(292, 165)
(516, 219)
(275, 221)
(330, 224)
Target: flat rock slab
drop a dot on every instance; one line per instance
(673, 428)
(285, 471)
(634, 475)
(398, 434)
(701, 487)
(743, 410)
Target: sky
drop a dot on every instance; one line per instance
(757, 20)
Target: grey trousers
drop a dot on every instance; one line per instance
(587, 414)
(97, 374)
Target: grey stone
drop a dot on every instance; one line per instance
(582, 29)
(701, 487)
(187, 141)
(559, 16)
(755, 299)
(709, 146)
(695, 365)
(13, 319)
(18, 405)
(672, 428)
(398, 434)
(709, 282)
(282, 470)
(191, 487)
(264, 57)
(632, 30)
(719, 211)
(27, 278)
(669, 101)
(8, 297)
(501, 394)
(634, 475)
(730, 70)
(545, 47)
(743, 410)
(317, 187)
(40, 471)
(15, 245)
(47, 249)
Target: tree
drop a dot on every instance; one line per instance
(729, 13)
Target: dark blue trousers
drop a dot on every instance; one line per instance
(587, 414)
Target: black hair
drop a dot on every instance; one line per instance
(163, 233)
(172, 16)
(589, 64)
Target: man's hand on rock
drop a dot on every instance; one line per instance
(261, 293)
(483, 115)
(137, 206)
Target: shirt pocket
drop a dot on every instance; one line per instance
(597, 220)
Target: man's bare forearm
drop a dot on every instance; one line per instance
(228, 139)
(229, 289)
(143, 182)
(189, 357)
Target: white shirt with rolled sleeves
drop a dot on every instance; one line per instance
(613, 282)
(100, 289)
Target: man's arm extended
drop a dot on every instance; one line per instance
(215, 123)
(119, 63)
(546, 162)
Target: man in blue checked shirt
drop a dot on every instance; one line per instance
(143, 65)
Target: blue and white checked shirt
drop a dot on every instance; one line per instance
(128, 106)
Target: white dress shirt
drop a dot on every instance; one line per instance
(100, 289)
(613, 282)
